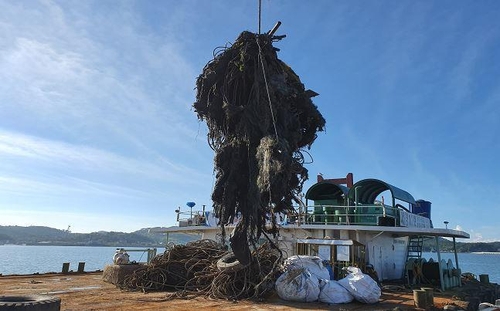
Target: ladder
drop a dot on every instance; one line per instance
(415, 244)
(413, 259)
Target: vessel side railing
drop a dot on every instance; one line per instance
(191, 218)
(371, 215)
(151, 252)
(365, 214)
(362, 214)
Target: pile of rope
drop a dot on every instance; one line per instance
(260, 118)
(192, 270)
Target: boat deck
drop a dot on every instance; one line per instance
(87, 291)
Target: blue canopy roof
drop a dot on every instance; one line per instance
(367, 190)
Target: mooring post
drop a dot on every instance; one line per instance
(65, 267)
(81, 267)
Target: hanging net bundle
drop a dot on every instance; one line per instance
(260, 119)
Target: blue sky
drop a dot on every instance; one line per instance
(97, 129)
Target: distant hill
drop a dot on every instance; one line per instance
(38, 235)
(32, 232)
(462, 247)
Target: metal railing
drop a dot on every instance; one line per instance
(151, 252)
(372, 215)
(191, 218)
(319, 214)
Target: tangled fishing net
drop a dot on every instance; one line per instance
(260, 118)
(193, 269)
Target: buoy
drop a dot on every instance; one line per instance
(121, 257)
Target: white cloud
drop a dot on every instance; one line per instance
(76, 74)
(37, 61)
(481, 233)
(66, 156)
(66, 186)
(95, 117)
(476, 236)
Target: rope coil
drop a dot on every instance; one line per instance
(191, 270)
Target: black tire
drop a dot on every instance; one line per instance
(229, 263)
(31, 303)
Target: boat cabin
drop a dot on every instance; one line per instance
(384, 224)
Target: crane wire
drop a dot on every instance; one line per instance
(267, 90)
(260, 14)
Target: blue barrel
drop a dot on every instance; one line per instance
(422, 208)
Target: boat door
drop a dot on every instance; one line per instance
(388, 255)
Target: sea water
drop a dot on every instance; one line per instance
(17, 259)
(23, 259)
(475, 263)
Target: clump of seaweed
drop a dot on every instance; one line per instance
(260, 118)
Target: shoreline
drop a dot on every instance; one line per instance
(37, 274)
(483, 253)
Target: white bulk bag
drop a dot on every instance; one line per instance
(333, 292)
(312, 263)
(361, 286)
(298, 285)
